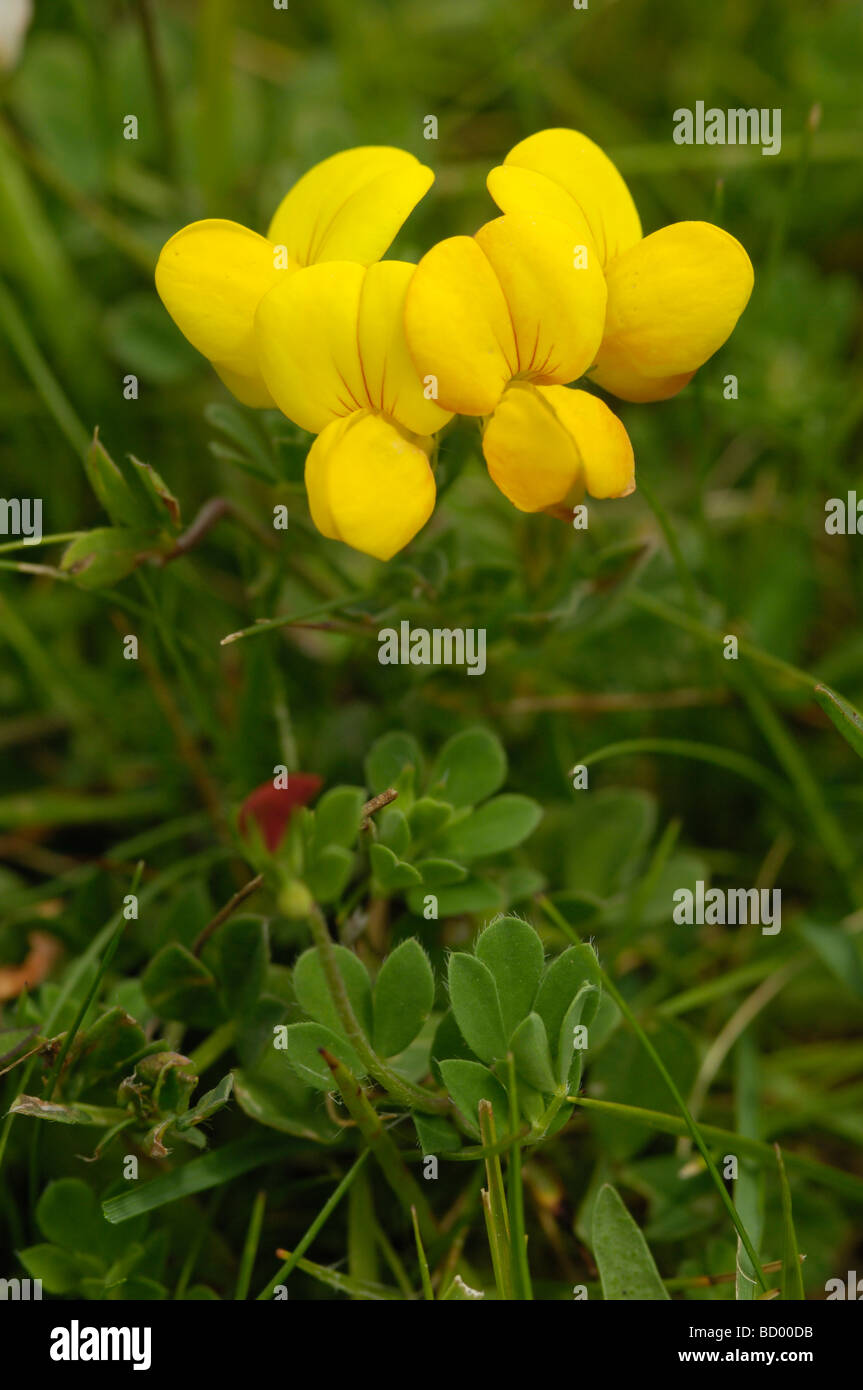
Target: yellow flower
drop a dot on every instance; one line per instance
(500, 322)
(331, 349)
(212, 275)
(673, 297)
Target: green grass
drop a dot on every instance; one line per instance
(605, 650)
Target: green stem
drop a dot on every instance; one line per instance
(403, 1091)
(371, 1127)
(518, 1234)
(211, 1049)
(494, 1206)
(428, 1291)
(250, 1247)
(322, 1217)
(654, 1056)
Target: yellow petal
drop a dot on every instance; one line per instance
(581, 169)
(672, 301)
(391, 380)
(545, 445)
(250, 390)
(555, 291)
(350, 206)
(306, 337)
(604, 448)
(458, 327)
(369, 484)
(211, 276)
(530, 456)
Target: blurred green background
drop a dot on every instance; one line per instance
(594, 639)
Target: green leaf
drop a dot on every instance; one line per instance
(847, 719)
(626, 1267)
(529, 1045)
(561, 982)
(581, 1012)
(838, 951)
(403, 998)
(427, 816)
(272, 1094)
(304, 1043)
(468, 1083)
(448, 1043)
(166, 508)
(40, 1109)
(438, 873)
(393, 830)
(312, 991)
(111, 488)
(328, 873)
(338, 816)
(388, 756)
(243, 957)
(59, 1270)
(391, 874)
(199, 1175)
(102, 557)
(178, 985)
(207, 1106)
(499, 825)
(792, 1274)
(473, 895)
(473, 996)
(470, 767)
(436, 1135)
(101, 1050)
(69, 1215)
(513, 953)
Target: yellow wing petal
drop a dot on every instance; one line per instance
(211, 276)
(392, 382)
(306, 337)
(606, 459)
(672, 301)
(350, 206)
(458, 327)
(525, 191)
(579, 167)
(369, 484)
(530, 456)
(555, 291)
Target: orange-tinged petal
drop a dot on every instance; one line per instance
(601, 441)
(392, 382)
(554, 290)
(350, 206)
(581, 169)
(672, 301)
(306, 337)
(369, 484)
(211, 276)
(458, 327)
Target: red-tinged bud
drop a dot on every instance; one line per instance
(271, 807)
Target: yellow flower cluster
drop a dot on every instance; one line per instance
(374, 357)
